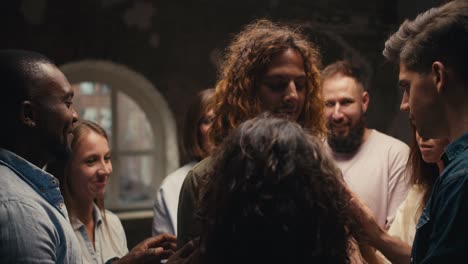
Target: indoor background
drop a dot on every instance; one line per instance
(136, 64)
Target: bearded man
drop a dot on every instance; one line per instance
(373, 164)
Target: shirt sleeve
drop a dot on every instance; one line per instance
(26, 234)
(161, 220)
(398, 184)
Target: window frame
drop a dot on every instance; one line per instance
(147, 97)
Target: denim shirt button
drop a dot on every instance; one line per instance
(54, 182)
(42, 189)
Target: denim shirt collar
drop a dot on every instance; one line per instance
(46, 185)
(454, 149)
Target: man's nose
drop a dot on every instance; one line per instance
(404, 106)
(337, 114)
(291, 92)
(74, 116)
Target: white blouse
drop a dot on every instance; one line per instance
(109, 240)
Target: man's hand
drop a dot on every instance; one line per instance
(370, 233)
(151, 250)
(184, 254)
(369, 230)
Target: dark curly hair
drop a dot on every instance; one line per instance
(273, 197)
(245, 60)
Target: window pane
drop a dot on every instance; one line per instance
(134, 128)
(92, 101)
(136, 173)
(86, 88)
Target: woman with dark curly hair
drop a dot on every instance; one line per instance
(267, 68)
(273, 197)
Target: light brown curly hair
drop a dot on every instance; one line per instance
(246, 58)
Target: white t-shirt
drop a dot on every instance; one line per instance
(377, 174)
(167, 201)
(407, 216)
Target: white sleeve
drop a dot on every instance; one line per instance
(398, 184)
(162, 223)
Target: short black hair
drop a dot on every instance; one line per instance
(19, 72)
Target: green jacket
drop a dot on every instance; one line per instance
(188, 225)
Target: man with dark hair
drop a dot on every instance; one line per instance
(268, 67)
(37, 120)
(432, 53)
(372, 163)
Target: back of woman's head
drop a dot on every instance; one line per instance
(273, 197)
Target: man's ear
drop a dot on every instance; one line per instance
(439, 76)
(365, 101)
(27, 114)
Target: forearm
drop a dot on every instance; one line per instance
(393, 248)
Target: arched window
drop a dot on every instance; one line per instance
(140, 125)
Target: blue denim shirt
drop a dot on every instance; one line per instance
(442, 230)
(34, 225)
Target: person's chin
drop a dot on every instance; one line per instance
(340, 133)
(98, 192)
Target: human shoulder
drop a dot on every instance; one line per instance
(203, 166)
(455, 178)
(388, 140)
(115, 225)
(382, 137)
(112, 218)
(20, 209)
(26, 232)
(197, 172)
(117, 235)
(10, 182)
(19, 197)
(177, 176)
